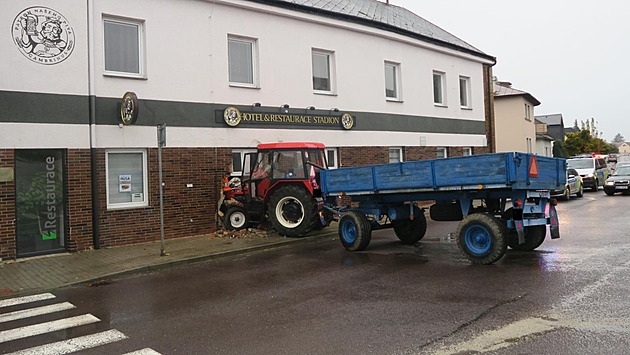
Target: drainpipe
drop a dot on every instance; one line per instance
(92, 120)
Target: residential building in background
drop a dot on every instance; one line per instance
(544, 142)
(85, 84)
(555, 125)
(514, 118)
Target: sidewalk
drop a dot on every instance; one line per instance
(58, 270)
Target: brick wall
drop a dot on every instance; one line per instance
(187, 211)
(79, 199)
(7, 207)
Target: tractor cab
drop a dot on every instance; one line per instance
(278, 169)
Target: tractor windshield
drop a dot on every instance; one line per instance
(288, 164)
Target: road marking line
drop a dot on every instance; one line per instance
(26, 299)
(145, 351)
(32, 312)
(48, 327)
(74, 344)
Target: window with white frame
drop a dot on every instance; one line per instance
(127, 180)
(441, 152)
(395, 155)
(392, 81)
(464, 92)
(439, 92)
(528, 141)
(323, 65)
(528, 115)
(238, 159)
(123, 47)
(466, 151)
(242, 61)
(331, 158)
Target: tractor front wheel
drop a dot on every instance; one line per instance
(292, 211)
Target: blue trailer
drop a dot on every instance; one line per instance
(502, 199)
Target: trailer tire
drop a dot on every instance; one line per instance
(292, 211)
(236, 218)
(482, 238)
(355, 231)
(534, 237)
(411, 231)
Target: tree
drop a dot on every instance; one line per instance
(619, 138)
(558, 149)
(584, 142)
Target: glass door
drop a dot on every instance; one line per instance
(40, 201)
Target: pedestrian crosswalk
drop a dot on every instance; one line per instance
(72, 345)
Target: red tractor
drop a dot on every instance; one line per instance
(279, 183)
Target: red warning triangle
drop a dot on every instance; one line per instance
(533, 167)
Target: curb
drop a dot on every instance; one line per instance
(213, 256)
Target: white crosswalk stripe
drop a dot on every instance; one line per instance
(145, 351)
(60, 347)
(47, 327)
(33, 312)
(74, 344)
(26, 299)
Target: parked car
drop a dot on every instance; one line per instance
(612, 158)
(574, 185)
(619, 181)
(594, 171)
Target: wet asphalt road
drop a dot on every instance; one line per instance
(572, 296)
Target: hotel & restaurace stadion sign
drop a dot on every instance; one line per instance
(233, 117)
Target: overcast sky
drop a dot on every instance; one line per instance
(573, 56)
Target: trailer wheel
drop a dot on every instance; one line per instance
(482, 238)
(236, 218)
(292, 211)
(534, 237)
(355, 231)
(411, 231)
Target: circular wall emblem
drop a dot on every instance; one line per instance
(129, 108)
(232, 116)
(43, 35)
(347, 121)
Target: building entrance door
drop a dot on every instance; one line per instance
(40, 201)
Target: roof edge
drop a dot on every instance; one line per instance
(375, 24)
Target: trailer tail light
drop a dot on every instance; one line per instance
(519, 202)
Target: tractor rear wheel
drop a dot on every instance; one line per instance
(292, 211)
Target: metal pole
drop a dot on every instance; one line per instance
(161, 141)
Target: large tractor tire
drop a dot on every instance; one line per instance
(534, 237)
(411, 231)
(292, 211)
(482, 238)
(236, 218)
(355, 231)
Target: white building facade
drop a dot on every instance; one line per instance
(86, 83)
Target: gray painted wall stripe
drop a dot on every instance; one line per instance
(73, 109)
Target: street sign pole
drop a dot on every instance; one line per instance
(161, 140)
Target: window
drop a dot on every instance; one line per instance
(242, 62)
(441, 152)
(464, 92)
(322, 71)
(395, 155)
(439, 95)
(238, 158)
(127, 181)
(528, 115)
(331, 158)
(466, 151)
(123, 47)
(529, 144)
(392, 81)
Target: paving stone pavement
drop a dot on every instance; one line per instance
(48, 272)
